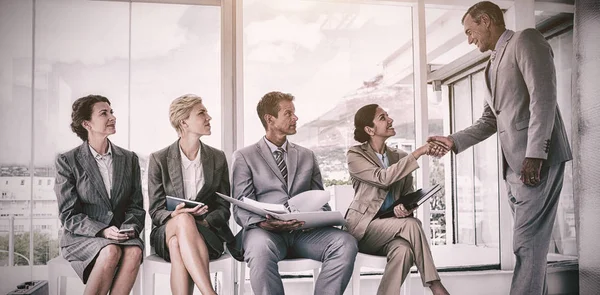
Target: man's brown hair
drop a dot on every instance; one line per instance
(269, 104)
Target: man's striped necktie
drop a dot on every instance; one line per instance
(279, 160)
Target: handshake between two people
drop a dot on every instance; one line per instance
(436, 146)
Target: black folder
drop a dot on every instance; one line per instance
(410, 200)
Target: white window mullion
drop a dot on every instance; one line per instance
(228, 117)
(447, 160)
(421, 107)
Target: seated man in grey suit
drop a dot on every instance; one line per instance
(272, 171)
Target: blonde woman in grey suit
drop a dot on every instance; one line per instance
(189, 169)
(100, 202)
(381, 175)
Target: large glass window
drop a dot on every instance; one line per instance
(445, 43)
(78, 51)
(485, 176)
(141, 57)
(175, 50)
(476, 176)
(564, 234)
(340, 57)
(16, 173)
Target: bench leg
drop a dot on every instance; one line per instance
(137, 286)
(62, 285)
(356, 280)
(148, 283)
(227, 283)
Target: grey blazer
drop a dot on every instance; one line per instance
(371, 183)
(521, 104)
(256, 176)
(166, 178)
(85, 208)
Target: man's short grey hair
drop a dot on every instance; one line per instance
(485, 7)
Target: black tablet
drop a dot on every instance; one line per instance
(172, 202)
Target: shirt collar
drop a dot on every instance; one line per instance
(186, 162)
(273, 147)
(98, 156)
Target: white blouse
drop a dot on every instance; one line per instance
(104, 163)
(193, 175)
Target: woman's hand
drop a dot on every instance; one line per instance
(440, 145)
(196, 211)
(401, 212)
(422, 150)
(112, 233)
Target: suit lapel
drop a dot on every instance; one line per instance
(487, 77)
(370, 153)
(392, 155)
(118, 171)
(174, 167)
(495, 65)
(393, 158)
(208, 167)
(488, 98)
(265, 152)
(91, 168)
(292, 162)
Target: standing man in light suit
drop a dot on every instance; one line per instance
(522, 108)
(272, 171)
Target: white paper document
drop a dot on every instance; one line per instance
(275, 208)
(312, 218)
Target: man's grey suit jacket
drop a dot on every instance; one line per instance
(256, 176)
(521, 104)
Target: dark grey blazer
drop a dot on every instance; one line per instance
(85, 208)
(166, 178)
(521, 104)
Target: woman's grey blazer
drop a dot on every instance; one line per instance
(166, 178)
(85, 208)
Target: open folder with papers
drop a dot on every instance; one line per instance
(410, 200)
(298, 208)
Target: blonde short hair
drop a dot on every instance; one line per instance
(181, 108)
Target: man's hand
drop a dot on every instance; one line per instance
(401, 212)
(531, 171)
(112, 233)
(196, 211)
(275, 225)
(440, 145)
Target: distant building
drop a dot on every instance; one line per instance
(29, 200)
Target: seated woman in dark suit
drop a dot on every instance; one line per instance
(380, 175)
(189, 169)
(99, 198)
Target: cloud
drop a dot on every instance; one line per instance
(285, 32)
(94, 33)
